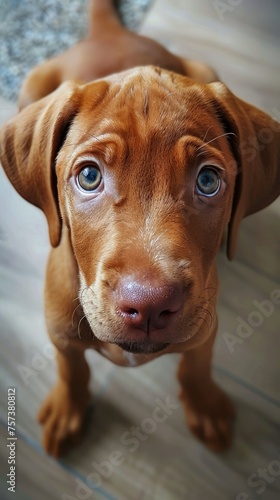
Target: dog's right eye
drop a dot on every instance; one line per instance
(89, 178)
(208, 182)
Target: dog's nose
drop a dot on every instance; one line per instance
(147, 305)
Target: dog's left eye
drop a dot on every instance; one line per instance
(208, 182)
(89, 178)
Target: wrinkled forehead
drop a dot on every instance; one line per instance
(149, 97)
(144, 108)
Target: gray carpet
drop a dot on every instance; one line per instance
(33, 30)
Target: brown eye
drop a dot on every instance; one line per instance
(89, 178)
(208, 182)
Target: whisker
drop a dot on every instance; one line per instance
(86, 132)
(206, 133)
(77, 298)
(82, 292)
(206, 300)
(79, 326)
(215, 138)
(72, 318)
(207, 289)
(206, 310)
(203, 319)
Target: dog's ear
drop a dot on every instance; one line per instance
(29, 144)
(255, 144)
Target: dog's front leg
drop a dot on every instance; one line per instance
(208, 410)
(62, 413)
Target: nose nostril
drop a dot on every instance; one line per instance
(165, 313)
(130, 311)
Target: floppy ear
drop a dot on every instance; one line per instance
(255, 144)
(29, 144)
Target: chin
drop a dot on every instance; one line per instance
(142, 347)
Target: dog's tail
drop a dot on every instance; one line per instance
(103, 15)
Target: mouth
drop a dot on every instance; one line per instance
(142, 347)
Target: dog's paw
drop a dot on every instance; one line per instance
(209, 414)
(62, 415)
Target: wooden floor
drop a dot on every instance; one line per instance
(243, 44)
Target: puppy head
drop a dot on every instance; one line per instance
(149, 174)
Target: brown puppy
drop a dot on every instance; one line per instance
(139, 174)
